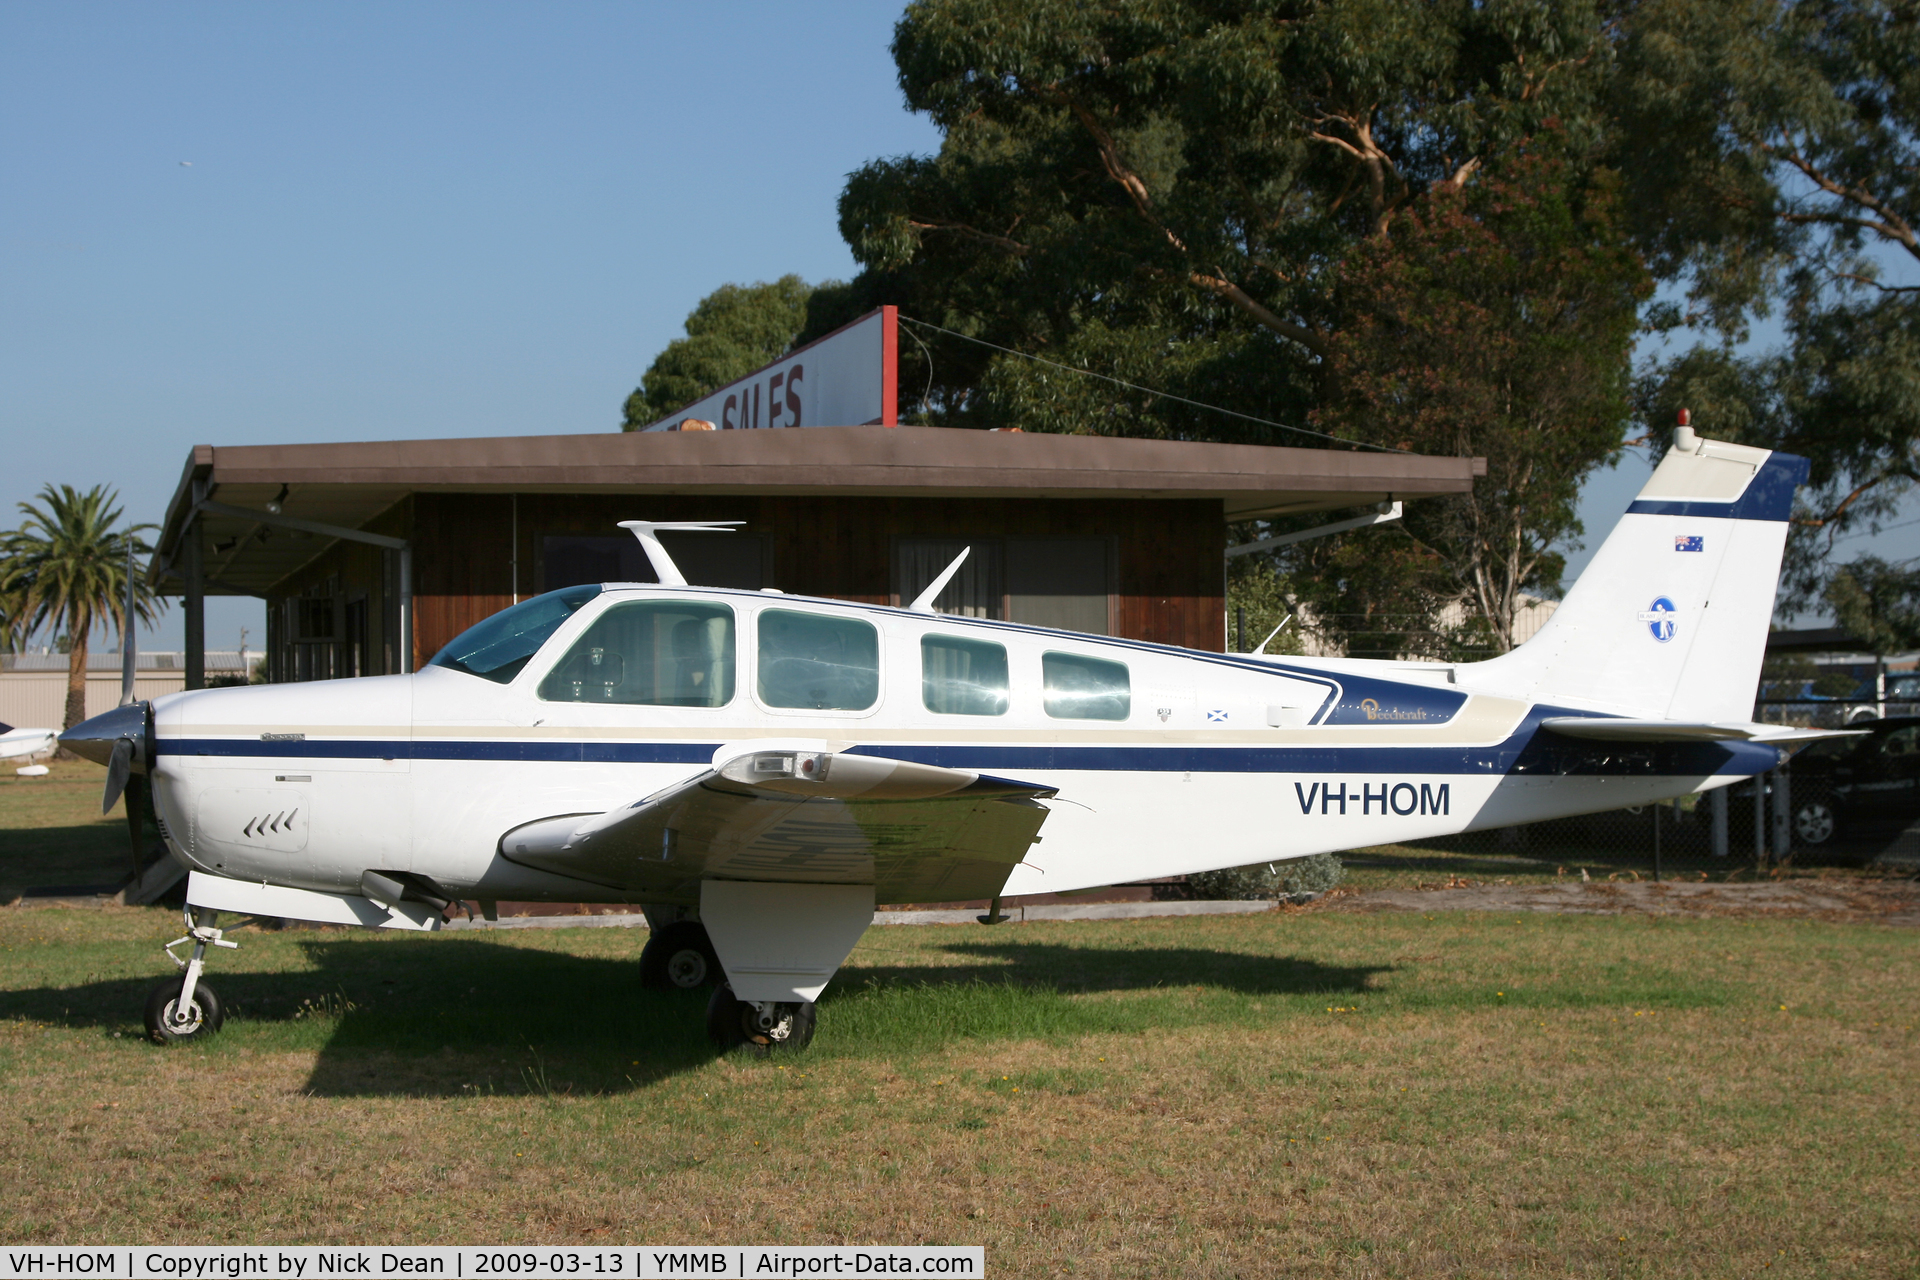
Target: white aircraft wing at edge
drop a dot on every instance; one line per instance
(916, 831)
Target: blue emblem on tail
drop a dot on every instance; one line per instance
(1685, 542)
(1659, 619)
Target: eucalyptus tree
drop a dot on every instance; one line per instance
(1776, 152)
(66, 566)
(1254, 206)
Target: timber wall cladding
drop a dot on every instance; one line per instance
(1171, 575)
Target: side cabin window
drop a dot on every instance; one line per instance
(815, 662)
(1082, 688)
(499, 647)
(963, 677)
(656, 653)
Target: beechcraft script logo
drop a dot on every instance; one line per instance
(1659, 617)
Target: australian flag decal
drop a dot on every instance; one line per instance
(1688, 542)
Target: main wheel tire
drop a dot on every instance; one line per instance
(679, 958)
(725, 1023)
(203, 1019)
(732, 1023)
(1814, 823)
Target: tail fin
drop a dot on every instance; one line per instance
(1670, 618)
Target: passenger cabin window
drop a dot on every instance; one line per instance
(498, 648)
(1082, 688)
(963, 677)
(655, 653)
(818, 663)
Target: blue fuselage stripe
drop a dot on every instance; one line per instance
(1524, 753)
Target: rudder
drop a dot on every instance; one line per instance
(1670, 619)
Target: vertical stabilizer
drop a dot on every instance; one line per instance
(1671, 617)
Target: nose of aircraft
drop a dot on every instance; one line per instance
(94, 739)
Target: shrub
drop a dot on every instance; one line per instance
(1291, 878)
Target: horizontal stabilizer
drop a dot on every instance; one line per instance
(1610, 729)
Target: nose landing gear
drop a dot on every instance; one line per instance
(762, 1025)
(184, 1009)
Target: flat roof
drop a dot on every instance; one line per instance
(349, 484)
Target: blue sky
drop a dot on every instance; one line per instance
(233, 224)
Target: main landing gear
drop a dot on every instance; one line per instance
(185, 1009)
(761, 1025)
(679, 957)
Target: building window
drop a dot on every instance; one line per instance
(816, 662)
(1064, 583)
(1082, 688)
(658, 653)
(1060, 582)
(977, 591)
(963, 677)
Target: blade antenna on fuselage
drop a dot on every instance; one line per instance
(663, 566)
(923, 603)
(1271, 634)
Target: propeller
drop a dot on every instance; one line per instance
(126, 776)
(119, 772)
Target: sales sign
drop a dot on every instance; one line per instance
(846, 379)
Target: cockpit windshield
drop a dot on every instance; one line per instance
(499, 647)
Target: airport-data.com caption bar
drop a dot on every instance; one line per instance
(457, 1262)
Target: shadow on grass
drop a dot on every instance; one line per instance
(458, 1016)
(1070, 969)
(95, 852)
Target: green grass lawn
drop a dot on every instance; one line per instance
(1310, 1093)
(1294, 1093)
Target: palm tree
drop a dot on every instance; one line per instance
(65, 568)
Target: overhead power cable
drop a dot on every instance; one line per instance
(1165, 395)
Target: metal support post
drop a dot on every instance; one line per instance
(195, 604)
(1717, 807)
(1782, 815)
(406, 608)
(1656, 807)
(1759, 822)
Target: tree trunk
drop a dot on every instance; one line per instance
(76, 682)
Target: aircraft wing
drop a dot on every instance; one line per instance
(916, 832)
(1608, 729)
(26, 742)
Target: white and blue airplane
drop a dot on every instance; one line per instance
(757, 771)
(25, 744)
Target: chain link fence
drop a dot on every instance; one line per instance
(1752, 827)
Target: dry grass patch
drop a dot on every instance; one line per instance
(1291, 1093)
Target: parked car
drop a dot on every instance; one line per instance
(1842, 788)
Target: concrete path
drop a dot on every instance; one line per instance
(1015, 915)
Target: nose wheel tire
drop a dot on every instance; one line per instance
(787, 1027)
(1813, 823)
(679, 958)
(168, 1023)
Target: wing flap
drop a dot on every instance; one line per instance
(916, 832)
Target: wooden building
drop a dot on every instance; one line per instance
(373, 555)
